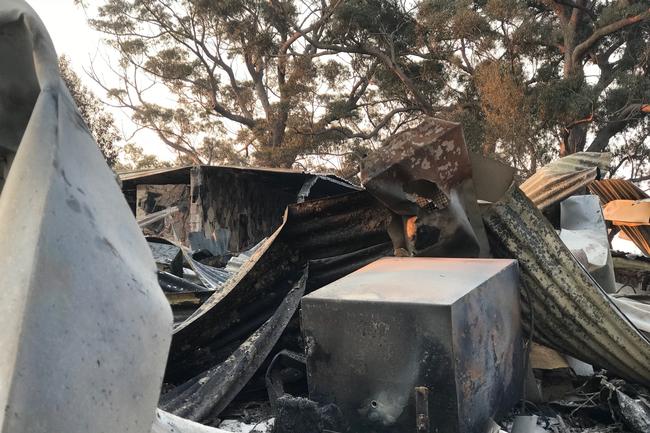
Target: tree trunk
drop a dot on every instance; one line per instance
(577, 138)
(601, 142)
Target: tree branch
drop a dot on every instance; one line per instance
(366, 135)
(601, 32)
(573, 4)
(626, 115)
(640, 179)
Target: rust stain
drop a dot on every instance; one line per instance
(426, 172)
(619, 189)
(411, 227)
(564, 177)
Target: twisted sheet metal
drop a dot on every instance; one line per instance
(207, 394)
(338, 235)
(215, 351)
(570, 311)
(85, 327)
(424, 175)
(621, 189)
(564, 177)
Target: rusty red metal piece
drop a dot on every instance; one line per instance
(621, 189)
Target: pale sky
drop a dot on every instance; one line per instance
(72, 36)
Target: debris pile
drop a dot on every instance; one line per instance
(440, 296)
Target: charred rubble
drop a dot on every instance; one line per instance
(440, 295)
(240, 342)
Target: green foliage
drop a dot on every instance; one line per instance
(134, 158)
(231, 72)
(375, 21)
(273, 82)
(99, 121)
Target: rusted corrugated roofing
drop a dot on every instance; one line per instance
(569, 310)
(616, 189)
(564, 177)
(621, 189)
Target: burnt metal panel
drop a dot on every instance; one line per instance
(233, 212)
(203, 397)
(223, 208)
(491, 178)
(564, 177)
(571, 313)
(181, 175)
(341, 234)
(620, 189)
(85, 328)
(424, 175)
(450, 325)
(337, 234)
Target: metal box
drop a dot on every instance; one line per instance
(450, 325)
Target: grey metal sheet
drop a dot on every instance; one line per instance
(85, 327)
(584, 232)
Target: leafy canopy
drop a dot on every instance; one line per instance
(276, 82)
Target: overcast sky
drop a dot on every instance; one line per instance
(72, 36)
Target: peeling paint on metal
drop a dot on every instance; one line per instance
(426, 173)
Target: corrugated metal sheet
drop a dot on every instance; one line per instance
(621, 189)
(569, 310)
(182, 174)
(580, 161)
(338, 235)
(335, 236)
(203, 397)
(564, 177)
(616, 189)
